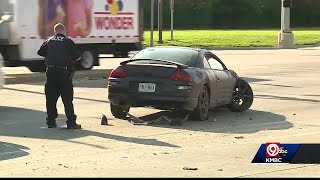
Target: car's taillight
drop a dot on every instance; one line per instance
(118, 73)
(181, 75)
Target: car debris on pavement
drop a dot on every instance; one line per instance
(172, 121)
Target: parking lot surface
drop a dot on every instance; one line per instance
(286, 109)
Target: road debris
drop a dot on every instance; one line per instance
(136, 121)
(239, 137)
(104, 120)
(190, 168)
(172, 121)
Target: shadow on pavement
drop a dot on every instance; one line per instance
(257, 81)
(31, 78)
(254, 80)
(18, 122)
(42, 93)
(12, 151)
(312, 95)
(284, 98)
(221, 120)
(276, 85)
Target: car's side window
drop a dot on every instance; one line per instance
(215, 64)
(206, 63)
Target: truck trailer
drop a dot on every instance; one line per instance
(96, 26)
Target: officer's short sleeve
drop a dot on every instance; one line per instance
(75, 53)
(43, 49)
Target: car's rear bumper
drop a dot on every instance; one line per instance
(159, 102)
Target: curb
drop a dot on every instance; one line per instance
(262, 48)
(254, 48)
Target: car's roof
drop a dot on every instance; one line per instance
(176, 47)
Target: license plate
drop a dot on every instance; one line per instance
(147, 87)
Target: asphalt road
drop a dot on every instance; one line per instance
(286, 109)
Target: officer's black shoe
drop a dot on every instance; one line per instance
(52, 125)
(75, 126)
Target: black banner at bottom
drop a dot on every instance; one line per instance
(275, 152)
(307, 154)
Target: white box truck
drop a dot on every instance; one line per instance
(1, 73)
(96, 26)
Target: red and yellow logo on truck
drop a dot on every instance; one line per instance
(114, 17)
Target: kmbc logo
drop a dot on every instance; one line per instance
(274, 152)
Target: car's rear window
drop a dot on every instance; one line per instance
(179, 55)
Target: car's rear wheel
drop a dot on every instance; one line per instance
(201, 113)
(119, 112)
(242, 97)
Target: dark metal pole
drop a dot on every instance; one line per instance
(152, 20)
(172, 9)
(160, 21)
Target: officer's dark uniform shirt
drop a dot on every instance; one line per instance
(59, 50)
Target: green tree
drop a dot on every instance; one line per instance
(219, 14)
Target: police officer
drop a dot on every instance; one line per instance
(60, 53)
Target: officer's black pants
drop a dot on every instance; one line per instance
(59, 83)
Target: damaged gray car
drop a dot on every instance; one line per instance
(177, 78)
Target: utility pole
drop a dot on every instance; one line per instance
(172, 11)
(152, 20)
(286, 37)
(160, 21)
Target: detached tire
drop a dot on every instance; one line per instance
(119, 111)
(242, 97)
(88, 59)
(201, 113)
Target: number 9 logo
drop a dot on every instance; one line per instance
(273, 150)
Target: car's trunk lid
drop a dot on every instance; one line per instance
(150, 71)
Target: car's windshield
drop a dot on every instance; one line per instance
(179, 55)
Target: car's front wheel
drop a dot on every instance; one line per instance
(242, 97)
(119, 111)
(201, 113)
